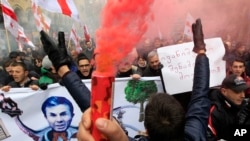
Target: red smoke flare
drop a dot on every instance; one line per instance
(123, 24)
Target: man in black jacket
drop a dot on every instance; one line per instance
(228, 109)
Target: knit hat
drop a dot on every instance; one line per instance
(235, 83)
(46, 63)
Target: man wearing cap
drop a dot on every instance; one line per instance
(228, 108)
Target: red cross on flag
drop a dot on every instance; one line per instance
(42, 21)
(188, 26)
(75, 38)
(66, 7)
(11, 24)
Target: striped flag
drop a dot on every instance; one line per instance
(86, 33)
(42, 21)
(11, 24)
(75, 38)
(66, 7)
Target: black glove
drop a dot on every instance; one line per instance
(57, 53)
(198, 36)
(43, 86)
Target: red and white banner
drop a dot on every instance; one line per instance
(66, 7)
(86, 33)
(42, 21)
(11, 24)
(75, 38)
(188, 26)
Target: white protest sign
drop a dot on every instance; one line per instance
(178, 61)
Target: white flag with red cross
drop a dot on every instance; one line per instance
(11, 24)
(75, 38)
(42, 21)
(66, 7)
(86, 33)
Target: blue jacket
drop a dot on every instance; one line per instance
(77, 89)
(198, 109)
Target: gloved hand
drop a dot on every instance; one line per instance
(43, 86)
(57, 53)
(198, 36)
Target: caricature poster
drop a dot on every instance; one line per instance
(31, 115)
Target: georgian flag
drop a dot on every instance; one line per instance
(75, 38)
(86, 33)
(11, 24)
(66, 7)
(188, 26)
(42, 21)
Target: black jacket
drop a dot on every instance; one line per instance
(225, 116)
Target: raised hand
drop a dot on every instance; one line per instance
(198, 36)
(57, 53)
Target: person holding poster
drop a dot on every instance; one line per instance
(61, 61)
(192, 126)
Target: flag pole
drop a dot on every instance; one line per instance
(69, 42)
(8, 41)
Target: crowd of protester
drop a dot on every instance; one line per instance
(33, 68)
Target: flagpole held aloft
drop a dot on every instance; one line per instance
(8, 41)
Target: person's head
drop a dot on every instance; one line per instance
(73, 54)
(240, 48)
(233, 87)
(47, 64)
(153, 60)
(19, 72)
(142, 60)
(157, 43)
(89, 45)
(38, 61)
(124, 66)
(84, 65)
(14, 55)
(29, 50)
(22, 55)
(7, 66)
(147, 43)
(237, 67)
(59, 112)
(164, 118)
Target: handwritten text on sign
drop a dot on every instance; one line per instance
(178, 61)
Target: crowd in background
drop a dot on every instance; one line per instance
(33, 68)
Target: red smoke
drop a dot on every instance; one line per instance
(219, 18)
(123, 24)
